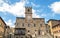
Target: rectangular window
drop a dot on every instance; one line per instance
(41, 25)
(28, 25)
(34, 25)
(23, 24)
(16, 37)
(28, 30)
(17, 24)
(21, 37)
(0, 24)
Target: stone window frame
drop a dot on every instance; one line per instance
(21, 37)
(34, 25)
(16, 37)
(28, 25)
(28, 30)
(40, 25)
(0, 24)
(23, 24)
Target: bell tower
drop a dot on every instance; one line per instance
(28, 13)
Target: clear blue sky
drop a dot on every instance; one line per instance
(10, 9)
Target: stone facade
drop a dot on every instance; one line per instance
(47, 28)
(54, 27)
(32, 26)
(2, 28)
(9, 33)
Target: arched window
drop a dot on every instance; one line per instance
(16, 37)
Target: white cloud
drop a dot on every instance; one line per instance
(35, 5)
(43, 15)
(10, 23)
(34, 14)
(27, 1)
(55, 7)
(17, 9)
(1, 1)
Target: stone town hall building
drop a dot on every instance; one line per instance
(28, 27)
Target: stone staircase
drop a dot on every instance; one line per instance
(45, 36)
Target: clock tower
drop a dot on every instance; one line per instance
(28, 13)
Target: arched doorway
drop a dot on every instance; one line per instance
(28, 36)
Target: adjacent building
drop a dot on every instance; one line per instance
(2, 28)
(54, 27)
(47, 28)
(5, 30)
(9, 33)
(56, 31)
(12, 32)
(28, 26)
